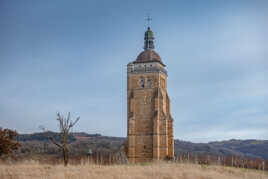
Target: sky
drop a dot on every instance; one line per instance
(71, 56)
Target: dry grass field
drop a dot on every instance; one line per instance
(30, 170)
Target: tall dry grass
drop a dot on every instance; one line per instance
(161, 170)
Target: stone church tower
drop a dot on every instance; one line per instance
(150, 125)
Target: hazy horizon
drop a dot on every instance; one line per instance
(41, 131)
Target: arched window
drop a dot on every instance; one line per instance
(149, 83)
(142, 83)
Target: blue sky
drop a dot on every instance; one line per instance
(60, 56)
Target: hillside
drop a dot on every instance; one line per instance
(81, 142)
(248, 148)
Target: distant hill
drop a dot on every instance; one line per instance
(80, 142)
(254, 148)
(248, 148)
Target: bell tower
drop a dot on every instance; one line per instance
(150, 125)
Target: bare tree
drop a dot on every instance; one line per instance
(65, 124)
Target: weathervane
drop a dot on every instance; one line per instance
(148, 19)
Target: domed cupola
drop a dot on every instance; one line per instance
(148, 55)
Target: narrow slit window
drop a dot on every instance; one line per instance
(142, 83)
(149, 83)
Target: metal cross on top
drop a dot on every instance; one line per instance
(148, 19)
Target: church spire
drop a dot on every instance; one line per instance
(148, 39)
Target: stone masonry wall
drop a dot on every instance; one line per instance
(150, 129)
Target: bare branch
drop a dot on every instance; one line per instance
(73, 123)
(54, 142)
(68, 119)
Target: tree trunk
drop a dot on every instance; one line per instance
(65, 157)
